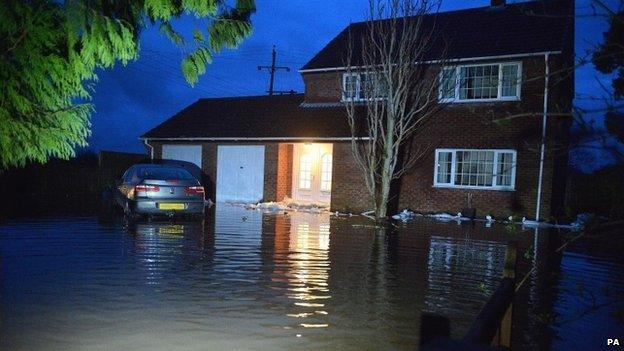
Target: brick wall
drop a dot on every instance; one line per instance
(349, 192)
(284, 171)
(270, 171)
(323, 87)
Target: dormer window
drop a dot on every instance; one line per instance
(483, 82)
(363, 86)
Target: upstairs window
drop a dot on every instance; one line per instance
(484, 82)
(363, 86)
(481, 169)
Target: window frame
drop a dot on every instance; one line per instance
(323, 171)
(494, 186)
(358, 87)
(309, 172)
(457, 69)
(344, 85)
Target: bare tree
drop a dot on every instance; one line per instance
(390, 90)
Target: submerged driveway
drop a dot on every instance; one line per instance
(241, 280)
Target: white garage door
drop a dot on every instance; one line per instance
(188, 153)
(240, 173)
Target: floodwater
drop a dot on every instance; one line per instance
(246, 280)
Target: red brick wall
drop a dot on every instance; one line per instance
(270, 171)
(284, 171)
(277, 171)
(349, 192)
(323, 87)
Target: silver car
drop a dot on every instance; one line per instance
(154, 189)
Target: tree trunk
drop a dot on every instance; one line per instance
(382, 199)
(387, 171)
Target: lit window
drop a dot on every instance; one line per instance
(485, 82)
(493, 169)
(363, 86)
(305, 172)
(326, 172)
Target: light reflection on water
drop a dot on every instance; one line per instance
(239, 280)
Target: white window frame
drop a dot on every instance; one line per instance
(494, 186)
(358, 87)
(499, 97)
(344, 85)
(326, 171)
(308, 179)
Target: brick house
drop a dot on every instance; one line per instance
(270, 147)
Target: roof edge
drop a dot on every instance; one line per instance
(252, 138)
(480, 58)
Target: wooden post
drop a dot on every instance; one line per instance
(509, 271)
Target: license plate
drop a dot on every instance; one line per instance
(171, 230)
(171, 206)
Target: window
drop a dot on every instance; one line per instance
(326, 172)
(305, 172)
(485, 82)
(481, 169)
(363, 86)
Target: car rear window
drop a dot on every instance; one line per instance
(164, 173)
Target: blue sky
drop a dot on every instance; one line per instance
(132, 99)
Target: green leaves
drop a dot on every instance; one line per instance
(194, 65)
(50, 49)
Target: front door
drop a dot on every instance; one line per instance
(312, 173)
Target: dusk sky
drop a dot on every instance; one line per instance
(131, 100)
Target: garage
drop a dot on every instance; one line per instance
(240, 173)
(186, 153)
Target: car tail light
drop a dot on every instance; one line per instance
(146, 188)
(194, 190)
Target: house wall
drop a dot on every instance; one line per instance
(277, 171)
(323, 87)
(470, 125)
(284, 171)
(349, 192)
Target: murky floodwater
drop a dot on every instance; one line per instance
(247, 280)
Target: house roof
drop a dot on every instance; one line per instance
(521, 28)
(255, 117)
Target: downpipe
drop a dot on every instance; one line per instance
(151, 148)
(543, 142)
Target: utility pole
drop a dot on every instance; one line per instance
(272, 69)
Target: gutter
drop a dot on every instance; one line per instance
(543, 142)
(251, 139)
(145, 141)
(479, 58)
